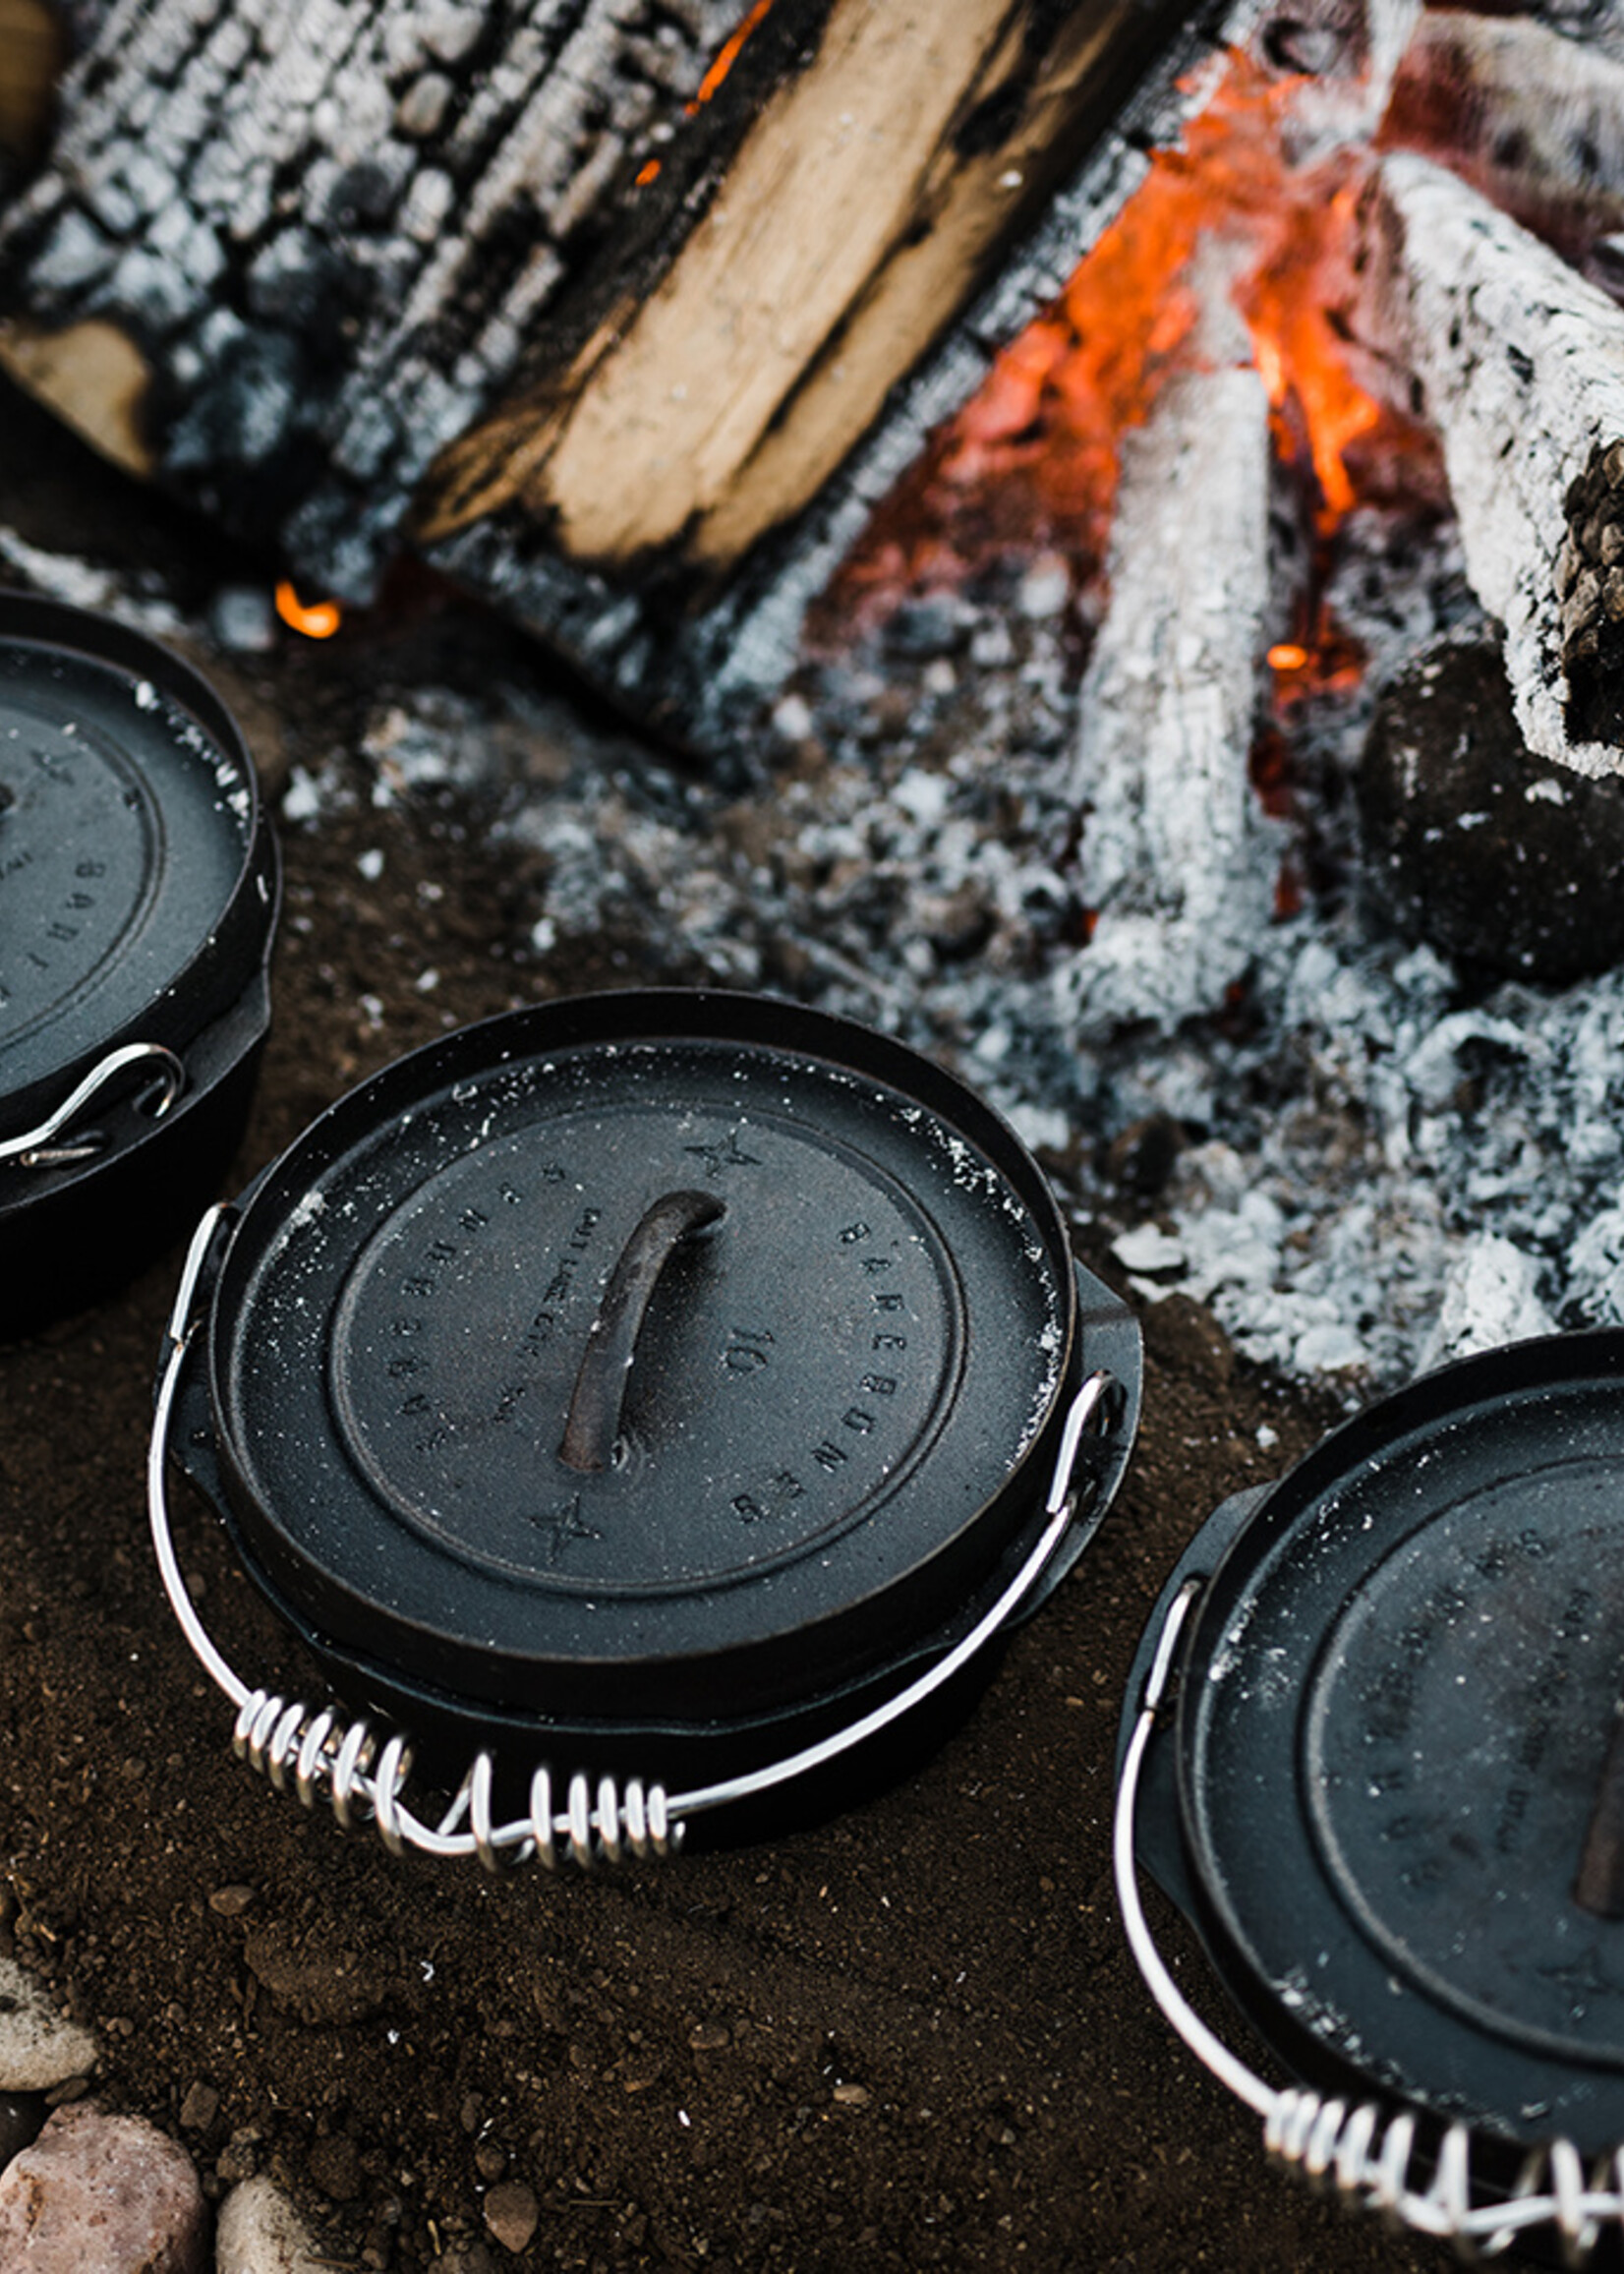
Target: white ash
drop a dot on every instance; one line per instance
(1382, 1165)
(1387, 1167)
(81, 583)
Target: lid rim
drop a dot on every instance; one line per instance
(1433, 2054)
(891, 1609)
(236, 948)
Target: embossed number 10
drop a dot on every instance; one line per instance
(746, 1351)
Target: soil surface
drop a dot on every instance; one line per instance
(909, 2035)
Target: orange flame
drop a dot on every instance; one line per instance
(317, 622)
(1033, 460)
(727, 55)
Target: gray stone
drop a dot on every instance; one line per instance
(261, 2232)
(38, 2047)
(102, 2194)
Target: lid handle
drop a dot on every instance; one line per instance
(1600, 1885)
(593, 1427)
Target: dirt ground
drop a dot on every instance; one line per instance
(911, 2036)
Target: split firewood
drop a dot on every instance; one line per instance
(1177, 862)
(34, 47)
(624, 313)
(1519, 363)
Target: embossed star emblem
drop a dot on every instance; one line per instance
(729, 1154)
(562, 1523)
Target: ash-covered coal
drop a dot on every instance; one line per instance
(1472, 843)
(1361, 1159)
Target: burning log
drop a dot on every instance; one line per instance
(625, 311)
(1533, 120)
(1178, 860)
(1519, 364)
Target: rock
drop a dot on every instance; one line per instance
(1474, 845)
(200, 2108)
(102, 2194)
(261, 2232)
(38, 2047)
(230, 1902)
(511, 2212)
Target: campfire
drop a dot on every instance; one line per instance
(1094, 715)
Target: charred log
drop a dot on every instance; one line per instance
(1177, 862)
(1533, 120)
(1520, 365)
(1476, 848)
(628, 348)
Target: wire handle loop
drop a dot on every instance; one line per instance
(35, 1148)
(1367, 2153)
(363, 1772)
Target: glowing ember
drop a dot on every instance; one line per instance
(317, 622)
(1032, 460)
(725, 57)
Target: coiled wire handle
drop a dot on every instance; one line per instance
(37, 1148)
(1363, 2151)
(363, 1774)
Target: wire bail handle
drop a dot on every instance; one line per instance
(364, 1776)
(35, 1150)
(1364, 2151)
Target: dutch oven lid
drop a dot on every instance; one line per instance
(667, 1364)
(138, 884)
(1393, 1798)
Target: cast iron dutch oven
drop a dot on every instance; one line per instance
(1371, 1750)
(138, 899)
(647, 1399)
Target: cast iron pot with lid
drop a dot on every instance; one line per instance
(644, 1400)
(138, 899)
(1372, 1750)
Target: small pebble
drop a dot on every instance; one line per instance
(230, 1902)
(200, 2108)
(511, 2212)
(102, 2194)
